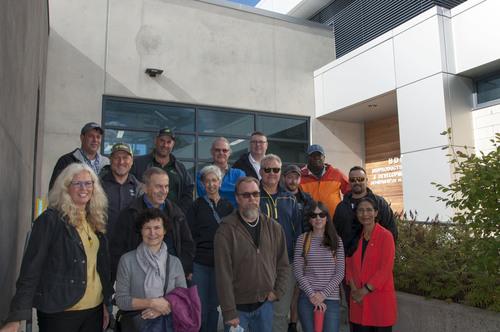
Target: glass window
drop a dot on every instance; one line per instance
(280, 127)
(148, 116)
(136, 122)
(226, 123)
(488, 89)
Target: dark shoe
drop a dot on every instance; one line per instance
(292, 327)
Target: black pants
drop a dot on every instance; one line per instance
(89, 320)
(359, 328)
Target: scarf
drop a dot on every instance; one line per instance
(154, 265)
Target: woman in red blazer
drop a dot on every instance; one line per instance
(369, 273)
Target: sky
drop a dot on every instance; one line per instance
(246, 2)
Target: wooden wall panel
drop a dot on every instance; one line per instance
(383, 161)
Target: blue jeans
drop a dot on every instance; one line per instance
(260, 320)
(204, 279)
(306, 314)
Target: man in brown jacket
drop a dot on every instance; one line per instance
(251, 262)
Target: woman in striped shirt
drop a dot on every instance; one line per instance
(319, 267)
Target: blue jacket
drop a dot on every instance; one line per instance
(227, 187)
(285, 211)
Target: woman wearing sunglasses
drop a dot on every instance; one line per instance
(319, 269)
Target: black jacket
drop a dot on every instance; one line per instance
(186, 185)
(71, 158)
(304, 200)
(125, 239)
(54, 270)
(203, 225)
(348, 226)
(246, 166)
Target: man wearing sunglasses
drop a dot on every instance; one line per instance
(322, 181)
(281, 205)
(344, 219)
(251, 262)
(221, 151)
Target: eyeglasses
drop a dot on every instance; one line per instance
(359, 179)
(258, 142)
(221, 150)
(255, 194)
(275, 170)
(79, 184)
(314, 215)
(208, 181)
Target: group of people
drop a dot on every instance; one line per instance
(268, 255)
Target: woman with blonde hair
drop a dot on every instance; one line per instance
(65, 271)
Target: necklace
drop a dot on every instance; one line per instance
(256, 223)
(88, 234)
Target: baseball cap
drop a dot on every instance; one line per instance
(315, 148)
(121, 147)
(90, 126)
(166, 131)
(291, 168)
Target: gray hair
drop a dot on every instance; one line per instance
(221, 139)
(146, 177)
(210, 169)
(269, 157)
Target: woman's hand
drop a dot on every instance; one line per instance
(358, 295)
(105, 317)
(321, 307)
(316, 299)
(11, 327)
(159, 305)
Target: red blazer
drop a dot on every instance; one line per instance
(379, 308)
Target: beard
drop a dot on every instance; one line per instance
(251, 211)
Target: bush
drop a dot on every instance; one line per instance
(433, 260)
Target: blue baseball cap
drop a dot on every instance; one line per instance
(315, 148)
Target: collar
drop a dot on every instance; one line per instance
(149, 205)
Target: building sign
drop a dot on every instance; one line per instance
(385, 178)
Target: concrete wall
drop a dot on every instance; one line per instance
(23, 55)
(415, 313)
(211, 55)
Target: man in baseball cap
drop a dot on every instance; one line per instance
(90, 138)
(120, 186)
(322, 181)
(180, 187)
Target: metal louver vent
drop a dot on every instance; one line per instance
(356, 22)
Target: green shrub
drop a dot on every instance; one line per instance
(433, 260)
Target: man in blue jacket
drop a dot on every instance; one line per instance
(281, 205)
(181, 186)
(221, 151)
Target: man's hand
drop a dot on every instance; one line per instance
(189, 277)
(11, 327)
(271, 297)
(233, 322)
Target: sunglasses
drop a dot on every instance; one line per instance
(221, 150)
(314, 215)
(255, 194)
(359, 179)
(275, 170)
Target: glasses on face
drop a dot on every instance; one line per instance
(221, 150)
(79, 184)
(255, 194)
(275, 170)
(258, 142)
(314, 215)
(359, 179)
(367, 211)
(208, 181)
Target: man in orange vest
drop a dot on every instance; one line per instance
(322, 181)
